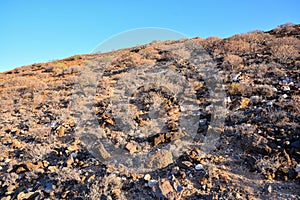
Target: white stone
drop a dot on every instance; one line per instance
(202, 121)
(209, 108)
(270, 103)
(152, 183)
(286, 88)
(199, 167)
(259, 131)
(297, 168)
(254, 98)
(182, 108)
(236, 76)
(147, 177)
(274, 89)
(131, 132)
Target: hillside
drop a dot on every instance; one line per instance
(189, 119)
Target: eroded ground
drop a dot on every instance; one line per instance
(256, 154)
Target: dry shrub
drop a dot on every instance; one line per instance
(25, 84)
(259, 70)
(267, 165)
(38, 152)
(210, 43)
(234, 60)
(284, 53)
(276, 69)
(265, 90)
(285, 49)
(247, 88)
(256, 39)
(292, 41)
(286, 25)
(235, 89)
(31, 82)
(285, 29)
(278, 118)
(108, 186)
(295, 103)
(236, 46)
(132, 59)
(149, 53)
(60, 65)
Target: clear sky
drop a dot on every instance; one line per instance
(35, 31)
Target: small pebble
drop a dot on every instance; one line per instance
(228, 100)
(228, 151)
(297, 168)
(209, 108)
(254, 98)
(286, 88)
(74, 155)
(274, 89)
(270, 103)
(179, 188)
(236, 76)
(147, 177)
(268, 189)
(199, 167)
(152, 183)
(202, 122)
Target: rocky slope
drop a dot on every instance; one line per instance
(245, 143)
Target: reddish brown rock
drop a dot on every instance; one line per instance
(166, 188)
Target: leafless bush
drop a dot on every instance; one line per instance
(133, 59)
(265, 90)
(234, 60)
(95, 193)
(284, 53)
(291, 41)
(247, 89)
(236, 46)
(256, 39)
(149, 53)
(279, 118)
(109, 186)
(286, 25)
(31, 84)
(259, 70)
(37, 152)
(267, 165)
(235, 89)
(295, 103)
(285, 49)
(210, 43)
(67, 173)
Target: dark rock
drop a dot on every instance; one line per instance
(250, 162)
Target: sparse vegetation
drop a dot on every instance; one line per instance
(42, 156)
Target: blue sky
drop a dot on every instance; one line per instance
(40, 31)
